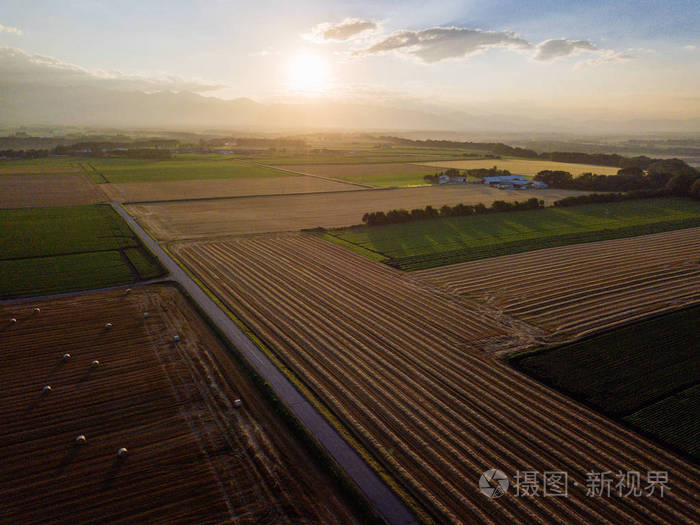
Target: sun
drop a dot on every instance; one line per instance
(307, 73)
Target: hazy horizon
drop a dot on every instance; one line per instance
(557, 66)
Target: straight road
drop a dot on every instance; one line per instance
(386, 503)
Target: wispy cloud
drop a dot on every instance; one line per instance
(340, 31)
(561, 47)
(9, 29)
(440, 43)
(605, 56)
(19, 67)
(690, 47)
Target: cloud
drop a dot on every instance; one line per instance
(605, 56)
(10, 29)
(690, 47)
(19, 67)
(439, 43)
(340, 31)
(561, 47)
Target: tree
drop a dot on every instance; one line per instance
(555, 178)
(680, 184)
(695, 189)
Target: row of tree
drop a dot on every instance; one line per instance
(596, 198)
(498, 148)
(23, 154)
(377, 218)
(678, 180)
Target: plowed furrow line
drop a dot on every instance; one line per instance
(566, 300)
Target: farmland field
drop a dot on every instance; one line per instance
(187, 220)
(136, 170)
(216, 188)
(525, 167)
(436, 242)
(48, 190)
(40, 166)
(191, 456)
(404, 366)
(573, 290)
(641, 372)
(51, 250)
(379, 175)
(359, 156)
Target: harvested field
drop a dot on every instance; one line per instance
(192, 457)
(191, 220)
(215, 188)
(401, 364)
(48, 190)
(529, 168)
(572, 290)
(383, 174)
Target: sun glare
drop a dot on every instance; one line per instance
(307, 73)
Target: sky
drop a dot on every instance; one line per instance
(555, 58)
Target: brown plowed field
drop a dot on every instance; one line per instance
(192, 457)
(571, 290)
(48, 190)
(399, 361)
(216, 218)
(213, 188)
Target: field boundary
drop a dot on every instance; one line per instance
(513, 361)
(385, 501)
(371, 188)
(446, 258)
(324, 178)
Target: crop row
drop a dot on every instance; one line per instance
(579, 288)
(400, 362)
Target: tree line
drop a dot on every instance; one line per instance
(498, 148)
(672, 177)
(377, 218)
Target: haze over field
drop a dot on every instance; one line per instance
(503, 66)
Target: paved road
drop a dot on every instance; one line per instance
(387, 504)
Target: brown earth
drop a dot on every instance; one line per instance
(401, 363)
(201, 219)
(572, 290)
(213, 188)
(48, 190)
(192, 457)
(26, 170)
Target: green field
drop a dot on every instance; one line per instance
(435, 242)
(135, 170)
(51, 250)
(360, 157)
(646, 373)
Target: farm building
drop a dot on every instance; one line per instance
(454, 179)
(517, 182)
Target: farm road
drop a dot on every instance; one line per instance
(386, 503)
